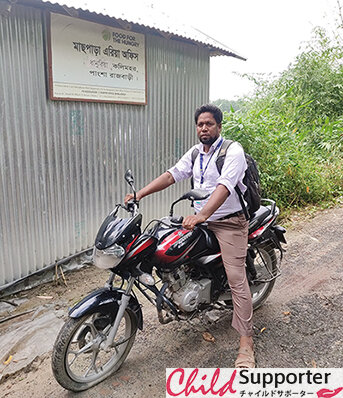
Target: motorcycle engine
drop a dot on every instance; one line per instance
(186, 293)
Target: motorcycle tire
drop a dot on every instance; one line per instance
(78, 358)
(265, 264)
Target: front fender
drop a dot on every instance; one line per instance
(105, 301)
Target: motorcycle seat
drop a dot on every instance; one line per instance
(259, 216)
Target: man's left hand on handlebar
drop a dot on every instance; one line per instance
(128, 197)
(191, 221)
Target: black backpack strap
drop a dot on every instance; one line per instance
(221, 154)
(241, 200)
(219, 162)
(195, 153)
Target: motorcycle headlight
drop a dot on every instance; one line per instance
(109, 257)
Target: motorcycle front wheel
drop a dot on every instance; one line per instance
(265, 263)
(79, 360)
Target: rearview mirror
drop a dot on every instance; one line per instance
(129, 177)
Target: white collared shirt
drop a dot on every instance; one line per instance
(232, 174)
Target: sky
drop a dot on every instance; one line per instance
(268, 33)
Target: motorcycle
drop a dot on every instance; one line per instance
(179, 271)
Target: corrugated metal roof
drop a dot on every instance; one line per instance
(147, 17)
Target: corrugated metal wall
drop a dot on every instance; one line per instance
(62, 163)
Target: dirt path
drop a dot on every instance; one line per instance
(299, 326)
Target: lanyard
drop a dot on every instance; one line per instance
(203, 171)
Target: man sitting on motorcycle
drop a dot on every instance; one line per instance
(222, 211)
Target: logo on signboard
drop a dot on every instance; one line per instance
(106, 35)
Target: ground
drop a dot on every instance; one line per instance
(300, 325)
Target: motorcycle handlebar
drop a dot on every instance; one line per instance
(132, 206)
(202, 224)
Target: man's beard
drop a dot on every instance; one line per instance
(208, 141)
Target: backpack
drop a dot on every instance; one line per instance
(251, 179)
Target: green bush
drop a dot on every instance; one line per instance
(293, 127)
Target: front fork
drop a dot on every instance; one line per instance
(123, 304)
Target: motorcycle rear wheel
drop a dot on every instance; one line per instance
(79, 360)
(265, 264)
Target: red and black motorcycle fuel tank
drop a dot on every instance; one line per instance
(141, 247)
(182, 244)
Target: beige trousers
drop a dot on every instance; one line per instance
(232, 235)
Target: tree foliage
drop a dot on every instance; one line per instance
(229, 106)
(293, 127)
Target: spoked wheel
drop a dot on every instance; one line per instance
(265, 264)
(79, 359)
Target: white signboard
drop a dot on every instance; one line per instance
(93, 62)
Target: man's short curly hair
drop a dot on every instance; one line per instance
(216, 112)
